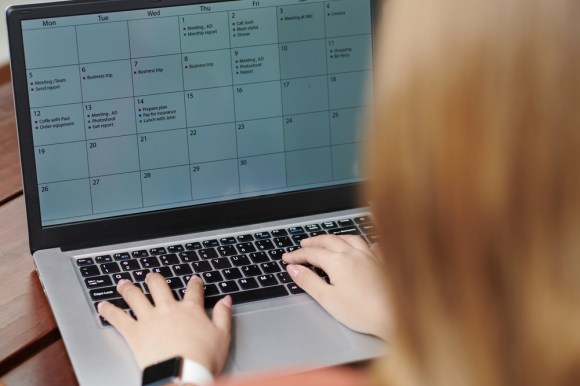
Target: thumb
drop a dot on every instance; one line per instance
(309, 281)
(222, 314)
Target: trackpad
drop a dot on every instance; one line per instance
(301, 335)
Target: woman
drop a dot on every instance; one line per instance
(476, 194)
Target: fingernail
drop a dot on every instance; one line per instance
(227, 301)
(292, 270)
(194, 277)
(100, 305)
(121, 282)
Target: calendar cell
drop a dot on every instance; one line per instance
(351, 53)
(106, 80)
(262, 172)
(310, 166)
(113, 155)
(154, 37)
(293, 63)
(347, 17)
(212, 143)
(65, 161)
(116, 192)
(50, 47)
(57, 124)
(260, 136)
(103, 42)
(156, 75)
(304, 131)
(160, 112)
(345, 125)
(65, 199)
(209, 106)
(260, 100)
(204, 32)
(348, 90)
(109, 118)
(162, 149)
(54, 86)
(215, 179)
(256, 64)
(301, 22)
(207, 69)
(166, 186)
(305, 95)
(253, 27)
(345, 162)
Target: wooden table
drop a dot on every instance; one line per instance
(31, 350)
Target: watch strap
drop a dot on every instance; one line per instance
(195, 373)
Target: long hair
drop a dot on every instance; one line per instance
(475, 187)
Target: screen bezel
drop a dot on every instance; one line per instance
(144, 225)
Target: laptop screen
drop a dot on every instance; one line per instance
(151, 109)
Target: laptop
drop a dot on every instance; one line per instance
(189, 137)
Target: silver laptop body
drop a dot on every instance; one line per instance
(165, 129)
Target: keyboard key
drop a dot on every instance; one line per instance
(228, 286)
(130, 265)
(201, 266)
(103, 259)
(267, 280)
(228, 240)
(292, 249)
(283, 242)
(221, 263)
(283, 265)
(250, 296)
(246, 247)
(251, 270)
(211, 243)
(245, 238)
(169, 259)
(104, 321)
(212, 277)
(284, 277)
(104, 293)
(317, 233)
(294, 289)
(312, 228)
(110, 268)
(248, 283)
(299, 237)
(259, 257)
(85, 261)
(122, 275)
(232, 273)
(188, 257)
(279, 233)
(182, 269)
(345, 231)
(163, 271)
(262, 235)
(193, 246)
(173, 282)
(122, 256)
(227, 250)
(98, 281)
(271, 267)
(175, 248)
(295, 230)
(362, 220)
(346, 222)
(119, 302)
(276, 254)
(158, 251)
(141, 253)
(210, 290)
(367, 228)
(240, 260)
(329, 225)
(149, 262)
(140, 274)
(264, 245)
(208, 253)
(90, 270)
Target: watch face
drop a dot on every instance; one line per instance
(162, 373)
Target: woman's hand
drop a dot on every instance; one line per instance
(356, 295)
(172, 328)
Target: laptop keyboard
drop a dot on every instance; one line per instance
(248, 266)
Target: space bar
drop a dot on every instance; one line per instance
(250, 295)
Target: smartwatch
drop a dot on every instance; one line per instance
(176, 371)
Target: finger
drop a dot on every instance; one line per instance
(356, 242)
(222, 314)
(310, 282)
(330, 242)
(376, 251)
(194, 291)
(159, 289)
(319, 257)
(134, 297)
(116, 316)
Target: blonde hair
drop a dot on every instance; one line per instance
(475, 187)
